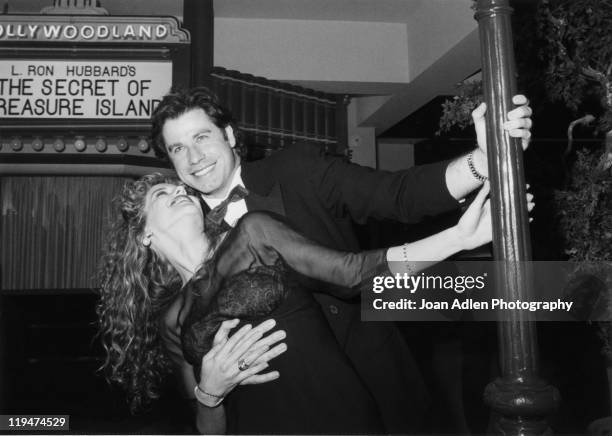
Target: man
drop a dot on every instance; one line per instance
(320, 196)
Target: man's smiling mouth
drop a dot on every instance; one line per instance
(203, 171)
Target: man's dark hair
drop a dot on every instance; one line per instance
(181, 100)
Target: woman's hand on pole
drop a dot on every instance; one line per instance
(474, 227)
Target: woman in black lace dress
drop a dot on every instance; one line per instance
(252, 273)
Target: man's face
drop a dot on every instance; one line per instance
(202, 153)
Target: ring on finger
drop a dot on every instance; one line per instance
(243, 365)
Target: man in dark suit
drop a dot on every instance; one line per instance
(320, 196)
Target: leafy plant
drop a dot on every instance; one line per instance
(458, 111)
(584, 211)
(578, 53)
(585, 222)
(572, 47)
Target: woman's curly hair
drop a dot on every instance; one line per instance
(136, 285)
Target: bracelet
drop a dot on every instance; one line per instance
(473, 170)
(407, 263)
(202, 397)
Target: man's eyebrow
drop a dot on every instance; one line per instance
(203, 130)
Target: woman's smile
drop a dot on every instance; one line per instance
(181, 199)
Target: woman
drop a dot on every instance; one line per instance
(252, 273)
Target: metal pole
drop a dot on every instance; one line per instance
(199, 19)
(519, 398)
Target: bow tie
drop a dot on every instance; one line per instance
(217, 214)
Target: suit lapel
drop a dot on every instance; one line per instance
(272, 202)
(264, 190)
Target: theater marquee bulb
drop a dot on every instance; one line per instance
(59, 144)
(37, 144)
(101, 145)
(79, 143)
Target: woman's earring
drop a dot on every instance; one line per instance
(146, 241)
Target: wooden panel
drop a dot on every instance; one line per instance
(52, 230)
(274, 114)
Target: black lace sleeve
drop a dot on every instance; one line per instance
(270, 236)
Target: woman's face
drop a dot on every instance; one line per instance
(171, 213)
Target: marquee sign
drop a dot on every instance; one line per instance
(108, 69)
(77, 91)
(83, 28)
(82, 89)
